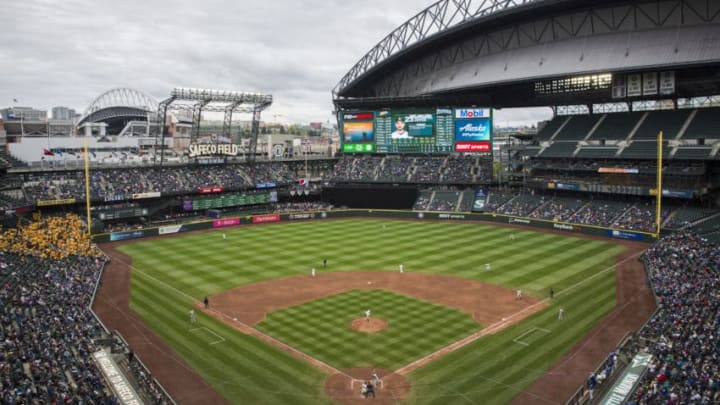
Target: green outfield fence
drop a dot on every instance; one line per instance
(373, 213)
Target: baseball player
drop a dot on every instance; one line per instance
(487, 267)
(518, 294)
(561, 314)
(192, 316)
(402, 268)
(224, 237)
(312, 271)
(376, 378)
(367, 315)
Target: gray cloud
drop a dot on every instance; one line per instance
(67, 53)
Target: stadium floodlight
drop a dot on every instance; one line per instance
(224, 96)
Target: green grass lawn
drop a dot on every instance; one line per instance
(416, 328)
(171, 273)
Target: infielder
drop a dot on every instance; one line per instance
(487, 267)
(367, 315)
(402, 268)
(312, 271)
(192, 316)
(518, 294)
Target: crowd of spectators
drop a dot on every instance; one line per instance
(641, 217)
(50, 237)
(116, 184)
(395, 168)
(427, 170)
(599, 212)
(302, 206)
(47, 331)
(684, 335)
(558, 209)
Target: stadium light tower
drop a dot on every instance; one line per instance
(213, 100)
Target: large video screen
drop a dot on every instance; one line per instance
(439, 130)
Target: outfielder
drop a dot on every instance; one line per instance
(192, 316)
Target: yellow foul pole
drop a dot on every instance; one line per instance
(87, 187)
(658, 196)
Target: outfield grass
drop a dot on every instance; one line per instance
(171, 273)
(416, 328)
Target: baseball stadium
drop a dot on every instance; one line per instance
(417, 253)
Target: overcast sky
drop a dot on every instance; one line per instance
(68, 52)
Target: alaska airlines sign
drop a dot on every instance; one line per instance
(212, 149)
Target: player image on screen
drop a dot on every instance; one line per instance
(400, 132)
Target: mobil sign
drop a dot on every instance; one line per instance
(472, 113)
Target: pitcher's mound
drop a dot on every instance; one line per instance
(368, 325)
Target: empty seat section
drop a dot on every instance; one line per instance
(669, 122)
(597, 152)
(692, 153)
(616, 126)
(643, 150)
(705, 124)
(549, 129)
(560, 149)
(577, 128)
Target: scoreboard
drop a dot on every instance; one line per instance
(225, 200)
(439, 130)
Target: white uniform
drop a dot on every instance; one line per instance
(224, 236)
(192, 316)
(487, 266)
(561, 314)
(518, 294)
(313, 271)
(402, 268)
(367, 314)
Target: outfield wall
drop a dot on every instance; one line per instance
(366, 213)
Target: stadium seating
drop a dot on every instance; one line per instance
(682, 336)
(600, 212)
(705, 124)
(615, 126)
(577, 128)
(395, 169)
(427, 170)
(668, 121)
(558, 208)
(643, 150)
(687, 215)
(692, 153)
(597, 152)
(546, 132)
(559, 150)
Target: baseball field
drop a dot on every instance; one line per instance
(449, 329)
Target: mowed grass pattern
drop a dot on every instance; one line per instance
(171, 273)
(321, 328)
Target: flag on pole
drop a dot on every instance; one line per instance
(48, 152)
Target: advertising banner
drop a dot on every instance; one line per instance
(208, 190)
(164, 230)
(627, 235)
(45, 203)
(260, 219)
(472, 147)
(116, 236)
(138, 196)
(472, 130)
(220, 223)
(480, 198)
